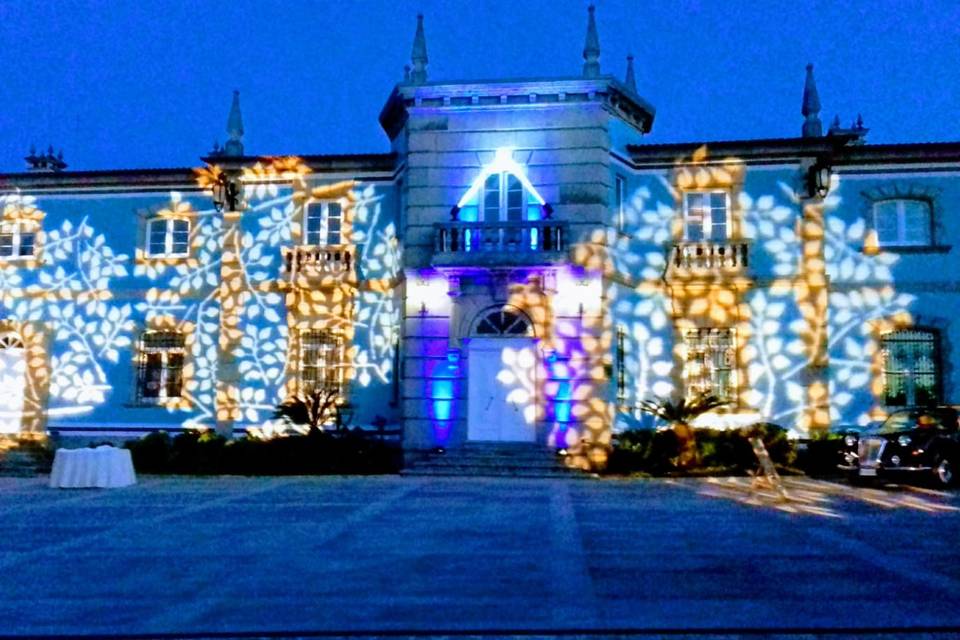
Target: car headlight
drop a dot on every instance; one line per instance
(850, 440)
(904, 441)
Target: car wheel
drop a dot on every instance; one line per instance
(944, 473)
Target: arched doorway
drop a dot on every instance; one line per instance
(502, 385)
(13, 370)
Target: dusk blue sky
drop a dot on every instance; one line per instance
(125, 84)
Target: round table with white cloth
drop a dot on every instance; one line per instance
(103, 467)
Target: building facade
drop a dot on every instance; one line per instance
(521, 266)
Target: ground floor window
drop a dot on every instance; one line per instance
(710, 365)
(321, 361)
(910, 371)
(160, 366)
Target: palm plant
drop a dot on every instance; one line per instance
(679, 414)
(313, 410)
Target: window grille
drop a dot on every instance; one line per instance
(710, 363)
(621, 364)
(321, 361)
(911, 376)
(160, 366)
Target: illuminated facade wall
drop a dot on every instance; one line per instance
(225, 289)
(529, 213)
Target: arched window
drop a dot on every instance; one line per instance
(903, 222)
(10, 340)
(911, 375)
(168, 237)
(501, 198)
(503, 321)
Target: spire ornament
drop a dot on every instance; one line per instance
(591, 47)
(630, 80)
(812, 128)
(234, 144)
(418, 75)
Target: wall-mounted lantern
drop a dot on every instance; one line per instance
(226, 193)
(818, 179)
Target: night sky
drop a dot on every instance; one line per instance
(123, 84)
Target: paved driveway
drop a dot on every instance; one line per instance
(351, 554)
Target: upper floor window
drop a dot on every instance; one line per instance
(903, 222)
(911, 376)
(619, 201)
(710, 365)
(168, 237)
(501, 198)
(706, 216)
(17, 240)
(160, 370)
(323, 223)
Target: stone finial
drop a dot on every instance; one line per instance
(419, 54)
(591, 47)
(234, 144)
(812, 128)
(630, 80)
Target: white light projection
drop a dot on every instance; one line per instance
(70, 292)
(776, 356)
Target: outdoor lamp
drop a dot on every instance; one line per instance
(818, 179)
(226, 193)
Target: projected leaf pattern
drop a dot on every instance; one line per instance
(862, 294)
(70, 291)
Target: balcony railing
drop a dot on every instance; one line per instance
(709, 256)
(521, 242)
(314, 261)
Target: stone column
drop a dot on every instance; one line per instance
(812, 293)
(231, 297)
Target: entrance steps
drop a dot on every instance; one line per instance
(498, 459)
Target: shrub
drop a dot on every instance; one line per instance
(317, 452)
(719, 451)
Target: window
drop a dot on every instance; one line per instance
(910, 372)
(323, 223)
(168, 237)
(321, 356)
(16, 241)
(705, 216)
(160, 370)
(501, 198)
(903, 222)
(619, 199)
(710, 363)
(621, 364)
(503, 322)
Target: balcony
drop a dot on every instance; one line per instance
(530, 242)
(310, 264)
(709, 258)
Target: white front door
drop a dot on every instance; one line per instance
(13, 369)
(502, 403)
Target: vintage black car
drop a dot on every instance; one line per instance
(918, 443)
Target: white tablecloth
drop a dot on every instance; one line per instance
(102, 467)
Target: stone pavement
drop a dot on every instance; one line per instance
(457, 555)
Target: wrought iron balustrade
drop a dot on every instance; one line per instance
(521, 241)
(709, 256)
